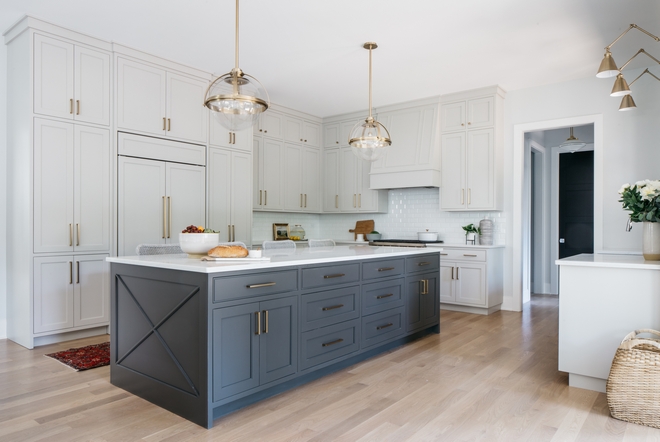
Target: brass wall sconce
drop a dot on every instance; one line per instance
(608, 69)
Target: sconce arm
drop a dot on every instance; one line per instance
(641, 51)
(646, 71)
(632, 26)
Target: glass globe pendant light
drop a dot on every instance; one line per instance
(572, 144)
(236, 99)
(369, 139)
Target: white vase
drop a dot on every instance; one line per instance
(651, 241)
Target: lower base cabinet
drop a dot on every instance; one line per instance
(259, 333)
(254, 344)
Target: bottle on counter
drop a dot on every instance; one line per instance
(297, 233)
(486, 228)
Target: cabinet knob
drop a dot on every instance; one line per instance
(265, 131)
(260, 130)
(337, 142)
(301, 139)
(462, 124)
(305, 141)
(469, 122)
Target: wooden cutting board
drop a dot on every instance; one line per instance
(365, 226)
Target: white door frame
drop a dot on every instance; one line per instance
(520, 244)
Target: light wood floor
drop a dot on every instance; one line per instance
(486, 378)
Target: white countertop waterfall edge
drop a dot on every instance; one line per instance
(301, 256)
(612, 261)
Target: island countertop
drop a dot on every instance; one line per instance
(611, 261)
(301, 256)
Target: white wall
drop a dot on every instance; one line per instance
(3, 191)
(631, 147)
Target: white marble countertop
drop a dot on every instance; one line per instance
(467, 246)
(301, 256)
(612, 261)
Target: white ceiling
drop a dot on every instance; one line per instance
(309, 55)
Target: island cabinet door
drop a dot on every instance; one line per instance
(422, 301)
(278, 347)
(236, 332)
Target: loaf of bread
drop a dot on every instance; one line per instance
(228, 252)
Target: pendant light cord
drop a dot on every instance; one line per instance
(236, 34)
(370, 117)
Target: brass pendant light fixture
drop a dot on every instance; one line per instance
(236, 99)
(572, 144)
(369, 139)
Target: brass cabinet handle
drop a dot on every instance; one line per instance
(359, 200)
(423, 263)
(462, 196)
(257, 286)
(70, 235)
(169, 125)
(421, 290)
(425, 287)
(452, 273)
(332, 307)
(465, 254)
(229, 137)
(77, 272)
(265, 197)
(233, 232)
(260, 195)
(336, 275)
(469, 196)
(169, 223)
(444, 254)
(229, 232)
(301, 200)
(354, 195)
(380, 327)
(336, 201)
(164, 219)
(258, 321)
(233, 135)
(77, 234)
(70, 272)
(71, 106)
(305, 201)
(457, 278)
(328, 344)
(265, 321)
(77, 107)
(385, 269)
(384, 296)
(164, 123)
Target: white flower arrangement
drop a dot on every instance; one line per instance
(642, 200)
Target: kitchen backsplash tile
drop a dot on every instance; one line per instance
(409, 211)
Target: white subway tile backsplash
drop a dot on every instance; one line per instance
(410, 211)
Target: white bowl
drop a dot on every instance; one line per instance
(198, 243)
(427, 236)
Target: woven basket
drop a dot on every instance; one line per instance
(633, 386)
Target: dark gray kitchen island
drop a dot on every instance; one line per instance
(203, 339)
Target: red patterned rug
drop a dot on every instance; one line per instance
(84, 358)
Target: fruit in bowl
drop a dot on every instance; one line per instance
(196, 240)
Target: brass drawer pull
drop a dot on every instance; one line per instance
(260, 195)
(384, 296)
(465, 254)
(70, 235)
(328, 344)
(424, 263)
(71, 106)
(265, 321)
(169, 125)
(425, 287)
(444, 254)
(164, 123)
(258, 286)
(332, 307)
(70, 272)
(77, 272)
(336, 275)
(77, 107)
(385, 269)
(78, 235)
(258, 322)
(380, 327)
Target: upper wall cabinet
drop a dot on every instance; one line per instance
(471, 150)
(413, 159)
(160, 102)
(71, 81)
(223, 137)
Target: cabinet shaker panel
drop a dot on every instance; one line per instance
(53, 77)
(141, 93)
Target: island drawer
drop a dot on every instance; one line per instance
(382, 326)
(379, 296)
(321, 309)
(382, 269)
(464, 254)
(423, 263)
(254, 284)
(330, 275)
(328, 343)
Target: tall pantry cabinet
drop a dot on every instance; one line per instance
(59, 183)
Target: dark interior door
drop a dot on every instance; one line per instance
(576, 203)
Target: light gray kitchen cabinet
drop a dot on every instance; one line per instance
(471, 279)
(71, 188)
(71, 81)
(159, 102)
(330, 188)
(471, 150)
(270, 124)
(222, 137)
(70, 292)
(354, 192)
(331, 135)
(230, 194)
(301, 178)
(157, 200)
(413, 159)
(268, 157)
